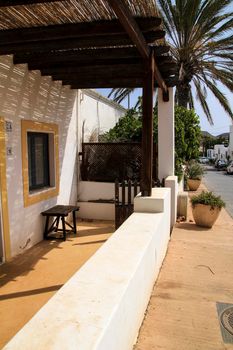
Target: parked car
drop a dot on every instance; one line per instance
(220, 164)
(230, 167)
(203, 160)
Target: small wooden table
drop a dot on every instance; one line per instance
(59, 212)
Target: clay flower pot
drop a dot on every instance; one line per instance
(193, 184)
(205, 215)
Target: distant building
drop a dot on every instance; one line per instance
(218, 152)
(231, 142)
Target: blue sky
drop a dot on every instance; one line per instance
(221, 120)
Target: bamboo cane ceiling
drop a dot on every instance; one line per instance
(82, 42)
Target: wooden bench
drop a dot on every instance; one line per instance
(59, 212)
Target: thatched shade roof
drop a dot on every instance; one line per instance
(83, 43)
(69, 11)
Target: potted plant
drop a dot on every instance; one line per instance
(206, 208)
(193, 173)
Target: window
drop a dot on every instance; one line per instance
(39, 161)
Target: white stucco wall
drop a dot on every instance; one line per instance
(220, 151)
(231, 142)
(166, 135)
(27, 95)
(97, 113)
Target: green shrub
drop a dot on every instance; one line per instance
(207, 198)
(194, 170)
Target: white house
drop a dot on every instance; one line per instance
(40, 116)
(218, 152)
(97, 114)
(115, 284)
(231, 142)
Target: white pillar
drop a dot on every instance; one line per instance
(166, 139)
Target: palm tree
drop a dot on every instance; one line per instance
(200, 33)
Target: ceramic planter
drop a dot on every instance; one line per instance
(193, 184)
(204, 215)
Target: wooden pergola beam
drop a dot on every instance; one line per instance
(6, 3)
(73, 30)
(121, 82)
(125, 68)
(97, 71)
(76, 43)
(128, 22)
(165, 64)
(110, 83)
(87, 55)
(106, 84)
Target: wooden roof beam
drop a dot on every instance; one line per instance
(90, 63)
(72, 30)
(98, 75)
(86, 55)
(121, 82)
(128, 22)
(76, 43)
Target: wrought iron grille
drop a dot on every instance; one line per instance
(106, 162)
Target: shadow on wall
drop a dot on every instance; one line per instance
(27, 95)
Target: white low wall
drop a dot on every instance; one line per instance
(96, 211)
(172, 183)
(102, 306)
(91, 190)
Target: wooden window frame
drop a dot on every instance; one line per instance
(31, 139)
(35, 196)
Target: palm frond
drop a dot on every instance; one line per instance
(220, 96)
(202, 99)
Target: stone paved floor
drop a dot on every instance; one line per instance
(197, 272)
(31, 279)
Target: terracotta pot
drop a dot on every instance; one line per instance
(204, 215)
(193, 184)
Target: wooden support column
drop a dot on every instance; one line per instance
(147, 128)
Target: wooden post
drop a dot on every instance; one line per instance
(147, 128)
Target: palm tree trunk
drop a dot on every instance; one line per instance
(183, 91)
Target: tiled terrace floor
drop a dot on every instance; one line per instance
(30, 280)
(197, 273)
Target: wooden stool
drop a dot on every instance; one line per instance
(59, 212)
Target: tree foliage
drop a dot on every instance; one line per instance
(187, 132)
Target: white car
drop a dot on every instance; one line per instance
(230, 167)
(203, 160)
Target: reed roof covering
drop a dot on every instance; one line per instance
(68, 11)
(84, 43)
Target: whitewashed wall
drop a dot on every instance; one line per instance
(97, 114)
(231, 142)
(220, 151)
(27, 95)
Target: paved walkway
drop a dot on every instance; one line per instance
(221, 184)
(197, 273)
(32, 278)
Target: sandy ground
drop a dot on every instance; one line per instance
(197, 273)
(30, 280)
